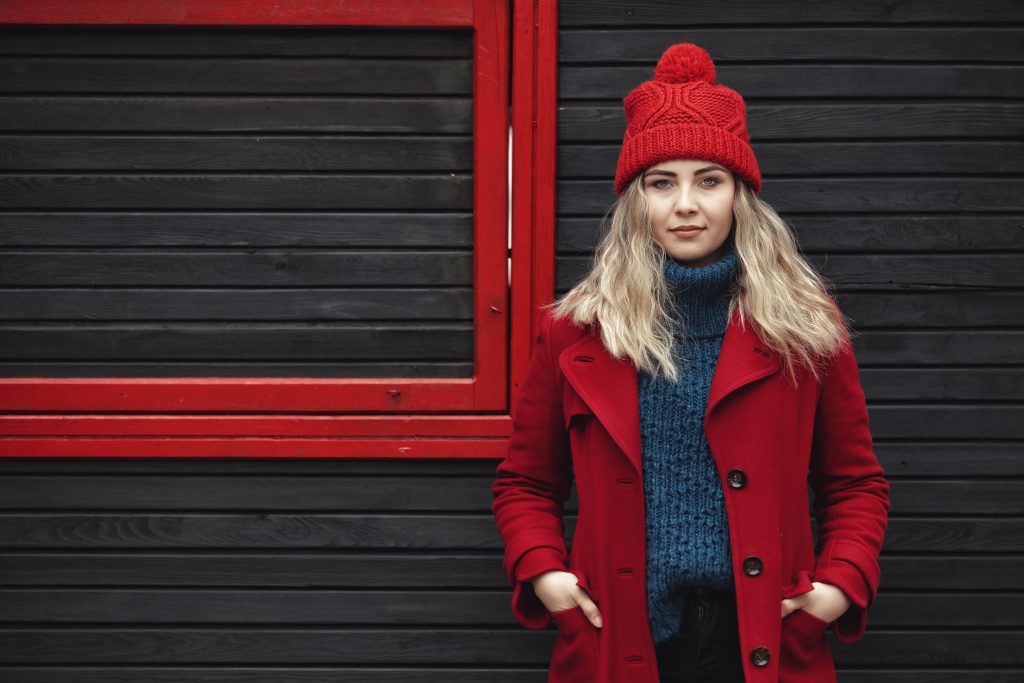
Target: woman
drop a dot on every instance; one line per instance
(693, 384)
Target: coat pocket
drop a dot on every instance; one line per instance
(804, 650)
(806, 623)
(574, 658)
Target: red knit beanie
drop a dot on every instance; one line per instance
(684, 114)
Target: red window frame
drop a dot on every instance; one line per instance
(455, 417)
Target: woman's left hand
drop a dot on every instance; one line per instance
(825, 601)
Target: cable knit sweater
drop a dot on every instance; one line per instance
(687, 528)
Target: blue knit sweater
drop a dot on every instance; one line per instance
(687, 528)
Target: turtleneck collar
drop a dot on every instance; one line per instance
(702, 293)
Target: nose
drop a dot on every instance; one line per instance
(685, 203)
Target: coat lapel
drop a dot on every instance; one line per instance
(609, 385)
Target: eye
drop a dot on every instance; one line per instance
(659, 180)
(715, 181)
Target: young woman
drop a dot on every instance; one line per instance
(693, 384)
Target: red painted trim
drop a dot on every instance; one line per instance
(534, 111)
(523, 135)
(545, 156)
(490, 197)
(191, 394)
(241, 12)
(315, 426)
(249, 447)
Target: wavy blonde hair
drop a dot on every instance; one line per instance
(789, 303)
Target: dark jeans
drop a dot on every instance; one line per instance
(706, 649)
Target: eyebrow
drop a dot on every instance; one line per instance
(661, 171)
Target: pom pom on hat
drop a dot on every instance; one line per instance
(683, 63)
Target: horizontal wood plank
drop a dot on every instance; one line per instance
(246, 76)
(939, 347)
(966, 308)
(237, 191)
(791, 120)
(257, 304)
(248, 153)
(312, 229)
(583, 13)
(253, 41)
(879, 43)
(237, 268)
(232, 341)
(208, 114)
(411, 532)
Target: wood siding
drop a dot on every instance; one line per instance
(236, 202)
(889, 134)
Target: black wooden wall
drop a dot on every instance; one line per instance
(238, 202)
(890, 135)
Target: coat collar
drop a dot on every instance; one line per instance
(609, 385)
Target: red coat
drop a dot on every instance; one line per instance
(578, 416)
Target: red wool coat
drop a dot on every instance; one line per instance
(577, 415)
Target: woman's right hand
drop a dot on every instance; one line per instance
(559, 591)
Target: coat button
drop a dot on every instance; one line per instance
(760, 656)
(737, 478)
(752, 565)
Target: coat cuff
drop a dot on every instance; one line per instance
(845, 576)
(537, 561)
(527, 608)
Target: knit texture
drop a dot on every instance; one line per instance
(687, 527)
(683, 114)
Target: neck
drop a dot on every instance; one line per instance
(701, 294)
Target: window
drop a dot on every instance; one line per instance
(270, 237)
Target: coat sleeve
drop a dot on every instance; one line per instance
(851, 494)
(533, 482)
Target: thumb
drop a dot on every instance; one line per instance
(589, 608)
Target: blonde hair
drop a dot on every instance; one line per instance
(789, 303)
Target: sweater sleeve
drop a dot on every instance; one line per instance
(533, 482)
(851, 495)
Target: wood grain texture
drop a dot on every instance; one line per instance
(159, 200)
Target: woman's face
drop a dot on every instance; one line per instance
(690, 203)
